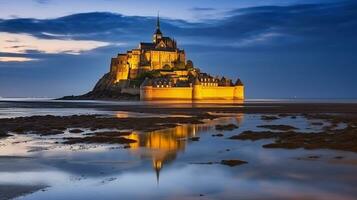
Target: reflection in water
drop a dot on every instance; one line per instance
(193, 103)
(162, 146)
(121, 115)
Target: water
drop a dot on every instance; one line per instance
(165, 164)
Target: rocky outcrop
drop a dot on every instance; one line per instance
(105, 89)
(105, 83)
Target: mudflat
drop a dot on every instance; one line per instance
(173, 107)
(329, 138)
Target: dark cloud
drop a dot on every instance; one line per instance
(309, 23)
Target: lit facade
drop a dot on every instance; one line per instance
(159, 70)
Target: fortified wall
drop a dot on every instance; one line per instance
(197, 91)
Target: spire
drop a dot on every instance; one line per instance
(157, 176)
(157, 164)
(158, 20)
(157, 35)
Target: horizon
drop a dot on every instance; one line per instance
(280, 49)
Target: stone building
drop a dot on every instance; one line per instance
(159, 70)
(161, 53)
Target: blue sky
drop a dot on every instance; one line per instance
(280, 49)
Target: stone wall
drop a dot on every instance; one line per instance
(196, 93)
(157, 93)
(132, 91)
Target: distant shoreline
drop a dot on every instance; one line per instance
(168, 107)
(249, 100)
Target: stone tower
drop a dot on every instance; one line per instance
(158, 34)
(197, 90)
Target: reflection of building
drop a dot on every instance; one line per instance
(239, 118)
(159, 70)
(162, 146)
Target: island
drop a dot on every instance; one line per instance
(158, 70)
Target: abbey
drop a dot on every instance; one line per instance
(159, 70)
(161, 54)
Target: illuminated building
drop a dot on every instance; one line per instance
(159, 70)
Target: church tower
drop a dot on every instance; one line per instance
(157, 35)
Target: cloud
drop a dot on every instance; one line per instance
(259, 39)
(310, 22)
(202, 9)
(42, 1)
(304, 26)
(23, 43)
(94, 25)
(16, 59)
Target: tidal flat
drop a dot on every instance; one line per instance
(177, 150)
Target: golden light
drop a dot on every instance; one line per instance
(22, 43)
(16, 59)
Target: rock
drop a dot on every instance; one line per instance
(205, 163)
(252, 135)
(317, 123)
(4, 134)
(278, 127)
(342, 139)
(195, 139)
(112, 133)
(99, 139)
(228, 127)
(76, 131)
(51, 132)
(338, 157)
(268, 117)
(233, 163)
(314, 157)
(105, 89)
(283, 115)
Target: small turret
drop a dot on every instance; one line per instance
(239, 83)
(197, 82)
(238, 90)
(223, 81)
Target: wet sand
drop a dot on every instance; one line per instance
(194, 107)
(52, 125)
(344, 139)
(12, 191)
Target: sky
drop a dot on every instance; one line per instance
(279, 49)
